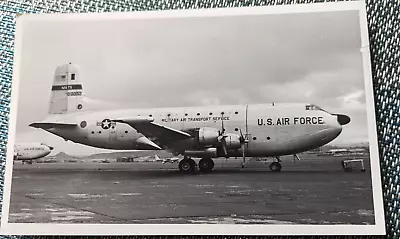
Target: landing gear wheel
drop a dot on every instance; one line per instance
(206, 165)
(187, 165)
(275, 167)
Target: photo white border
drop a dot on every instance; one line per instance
(200, 229)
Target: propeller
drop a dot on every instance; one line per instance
(244, 140)
(222, 136)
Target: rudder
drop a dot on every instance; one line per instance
(67, 90)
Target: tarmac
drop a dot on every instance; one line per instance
(311, 191)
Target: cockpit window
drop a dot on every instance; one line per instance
(312, 107)
(315, 107)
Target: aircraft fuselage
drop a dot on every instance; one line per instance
(273, 129)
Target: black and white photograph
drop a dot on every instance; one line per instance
(256, 120)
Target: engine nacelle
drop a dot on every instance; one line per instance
(210, 152)
(208, 136)
(232, 141)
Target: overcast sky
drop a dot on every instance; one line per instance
(305, 57)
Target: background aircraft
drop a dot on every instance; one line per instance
(166, 160)
(27, 152)
(261, 130)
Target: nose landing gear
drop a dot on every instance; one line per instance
(276, 166)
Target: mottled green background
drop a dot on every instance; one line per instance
(384, 30)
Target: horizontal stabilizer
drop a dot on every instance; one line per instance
(45, 125)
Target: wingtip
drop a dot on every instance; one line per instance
(146, 142)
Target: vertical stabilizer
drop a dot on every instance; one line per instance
(67, 90)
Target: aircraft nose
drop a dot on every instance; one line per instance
(343, 119)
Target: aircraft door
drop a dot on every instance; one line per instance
(261, 127)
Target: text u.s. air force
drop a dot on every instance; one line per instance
(315, 120)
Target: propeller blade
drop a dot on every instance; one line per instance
(223, 143)
(223, 128)
(243, 153)
(247, 127)
(241, 136)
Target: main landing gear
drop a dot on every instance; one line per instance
(274, 166)
(188, 165)
(206, 165)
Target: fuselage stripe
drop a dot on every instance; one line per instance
(66, 87)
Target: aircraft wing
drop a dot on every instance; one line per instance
(156, 132)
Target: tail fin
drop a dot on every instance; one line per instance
(67, 90)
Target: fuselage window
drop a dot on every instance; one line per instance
(83, 124)
(268, 138)
(236, 113)
(126, 132)
(72, 76)
(210, 113)
(254, 138)
(186, 114)
(198, 114)
(168, 115)
(99, 132)
(150, 115)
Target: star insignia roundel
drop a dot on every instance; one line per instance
(106, 124)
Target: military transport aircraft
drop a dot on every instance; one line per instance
(27, 152)
(260, 130)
